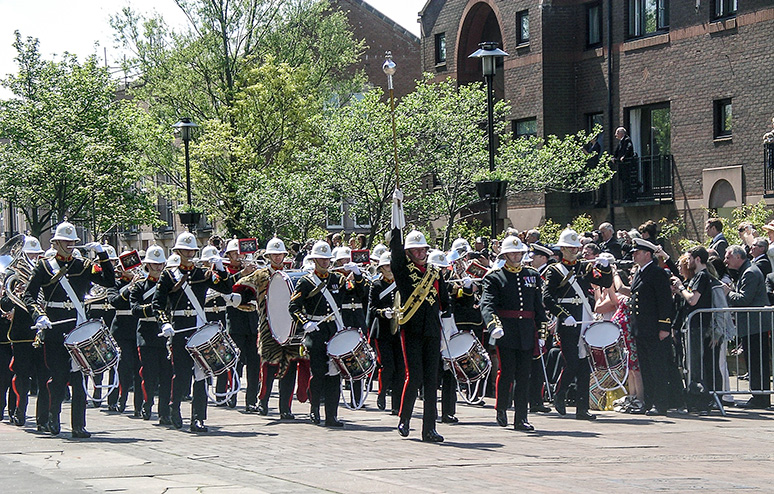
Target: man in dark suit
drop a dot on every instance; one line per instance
(608, 242)
(651, 322)
(750, 291)
(714, 230)
(626, 169)
(758, 251)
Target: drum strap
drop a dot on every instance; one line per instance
(331, 302)
(65, 283)
(588, 314)
(149, 293)
(387, 290)
(416, 298)
(201, 318)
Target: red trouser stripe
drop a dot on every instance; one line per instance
(405, 364)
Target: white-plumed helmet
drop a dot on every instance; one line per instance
(275, 246)
(111, 252)
(155, 255)
(414, 240)
(233, 245)
(173, 261)
(186, 241)
(209, 253)
(437, 258)
(376, 254)
(342, 253)
(512, 244)
(569, 238)
(65, 231)
(31, 245)
(320, 250)
(385, 259)
(461, 245)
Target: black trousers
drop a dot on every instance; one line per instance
(6, 376)
(575, 368)
(128, 375)
(514, 372)
(392, 374)
(704, 364)
(322, 384)
(182, 364)
(286, 385)
(655, 362)
(28, 362)
(249, 358)
(421, 355)
(448, 392)
(757, 347)
(156, 371)
(58, 363)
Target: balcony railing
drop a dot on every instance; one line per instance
(768, 169)
(644, 180)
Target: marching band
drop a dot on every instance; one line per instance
(410, 319)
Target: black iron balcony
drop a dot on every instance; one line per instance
(768, 169)
(644, 180)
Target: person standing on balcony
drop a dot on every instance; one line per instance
(627, 171)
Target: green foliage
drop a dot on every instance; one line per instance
(757, 214)
(550, 230)
(468, 230)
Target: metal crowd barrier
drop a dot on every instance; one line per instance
(720, 367)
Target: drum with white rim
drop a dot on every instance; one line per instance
(467, 356)
(212, 349)
(608, 354)
(92, 347)
(283, 327)
(352, 354)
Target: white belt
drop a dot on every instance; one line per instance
(317, 318)
(573, 300)
(61, 305)
(97, 306)
(351, 306)
(148, 319)
(216, 309)
(184, 313)
(124, 312)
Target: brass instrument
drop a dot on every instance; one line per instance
(97, 293)
(16, 269)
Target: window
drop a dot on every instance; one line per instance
(593, 25)
(648, 17)
(522, 27)
(723, 8)
(334, 216)
(525, 127)
(594, 119)
(650, 128)
(440, 49)
(723, 118)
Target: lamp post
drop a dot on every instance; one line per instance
(489, 52)
(389, 69)
(185, 127)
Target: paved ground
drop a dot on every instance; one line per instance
(250, 453)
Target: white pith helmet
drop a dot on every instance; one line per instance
(31, 245)
(232, 246)
(569, 238)
(275, 246)
(65, 231)
(186, 241)
(512, 244)
(376, 254)
(173, 261)
(384, 259)
(155, 255)
(320, 250)
(209, 253)
(461, 245)
(437, 258)
(111, 252)
(414, 240)
(342, 253)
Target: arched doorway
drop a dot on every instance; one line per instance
(723, 198)
(480, 24)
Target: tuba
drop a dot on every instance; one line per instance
(16, 269)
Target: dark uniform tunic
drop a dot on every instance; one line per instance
(421, 335)
(124, 330)
(309, 304)
(514, 295)
(6, 356)
(561, 300)
(152, 348)
(171, 305)
(388, 348)
(81, 273)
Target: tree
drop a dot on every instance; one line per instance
(73, 150)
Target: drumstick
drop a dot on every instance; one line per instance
(63, 321)
(180, 330)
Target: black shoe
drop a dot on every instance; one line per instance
(18, 419)
(44, 428)
(81, 433)
(54, 427)
(395, 412)
(432, 437)
(333, 422)
(541, 408)
(177, 419)
(756, 403)
(287, 416)
(502, 418)
(381, 402)
(146, 411)
(121, 407)
(231, 403)
(654, 412)
(137, 414)
(524, 426)
(560, 406)
(198, 426)
(403, 428)
(314, 417)
(449, 419)
(113, 408)
(264, 410)
(165, 420)
(585, 415)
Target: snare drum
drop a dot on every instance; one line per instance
(213, 349)
(281, 324)
(605, 343)
(92, 346)
(466, 355)
(352, 354)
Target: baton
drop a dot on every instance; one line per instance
(63, 321)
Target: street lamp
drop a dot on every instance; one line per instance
(185, 127)
(489, 52)
(389, 69)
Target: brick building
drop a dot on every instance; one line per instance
(692, 81)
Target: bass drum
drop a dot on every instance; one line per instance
(281, 324)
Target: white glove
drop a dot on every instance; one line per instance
(167, 330)
(218, 264)
(601, 261)
(352, 267)
(310, 327)
(398, 194)
(388, 313)
(94, 247)
(398, 219)
(43, 322)
(570, 321)
(233, 299)
(467, 282)
(497, 333)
